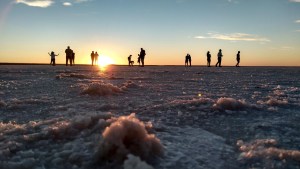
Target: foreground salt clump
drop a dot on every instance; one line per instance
(128, 135)
(264, 148)
(101, 89)
(230, 104)
(71, 75)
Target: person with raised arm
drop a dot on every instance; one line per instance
(52, 58)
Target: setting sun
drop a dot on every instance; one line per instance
(104, 61)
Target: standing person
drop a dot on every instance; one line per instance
(219, 58)
(73, 58)
(96, 58)
(129, 60)
(142, 56)
(186, 60)
(238, 59)
(52, 58)
(139, 60)
(208, 58)
(190, 59)
(69, 54)
(92, 57)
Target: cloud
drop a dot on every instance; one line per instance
(67, 4)
(233, 1)
(48, 3)
(294, 0)
(297, 21)
(234, 37)
(36, 3)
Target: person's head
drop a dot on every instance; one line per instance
(68, 47)
(92, 51)
(52, 52)
(239, 52)
(220, 50)
(207, 51)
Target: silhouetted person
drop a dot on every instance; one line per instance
(52, 58)
(208, 58)
(129, 61)
(93, 57)
(186, 62)
(96, 58)
(69, 54)
(142, 56)
(73, 58)
(139, 59)
(238, 59)
(219, 58)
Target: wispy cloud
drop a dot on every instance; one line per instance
(294, 0)
(233, 1)
(234, 37)
(36, 3)
(48, 3)
(67, 4)
(297, 21)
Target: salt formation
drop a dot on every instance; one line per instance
(128, 135)
(101, 89)
(71, 75)
(264, 148)
(105, 89)
(230, 104)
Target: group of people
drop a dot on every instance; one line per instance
(188, 60)
(219, 62)
(70, 57)
(141, 58)
(94, 57)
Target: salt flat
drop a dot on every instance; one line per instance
(54, 117)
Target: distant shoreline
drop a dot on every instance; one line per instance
(46, 64)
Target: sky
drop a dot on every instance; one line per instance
(267, 32)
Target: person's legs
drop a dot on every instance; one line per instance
(70, 61)
(142, 62)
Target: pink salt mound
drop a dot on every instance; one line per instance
(128, 135)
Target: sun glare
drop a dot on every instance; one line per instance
(104, 61)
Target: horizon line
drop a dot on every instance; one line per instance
(13, 63)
